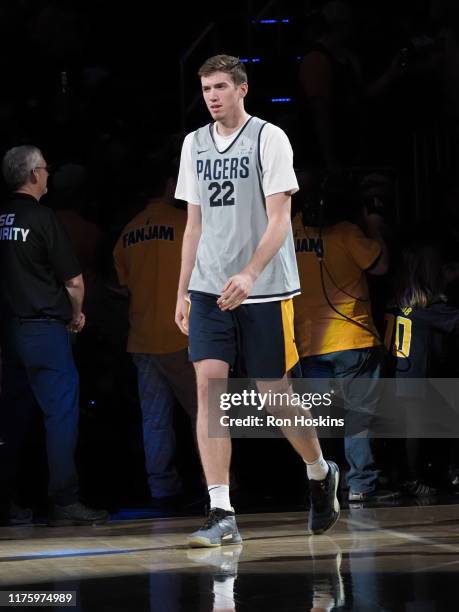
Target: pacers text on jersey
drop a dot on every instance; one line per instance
(228, 168)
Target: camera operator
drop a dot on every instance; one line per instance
(334, 329)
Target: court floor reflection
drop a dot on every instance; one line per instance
(403, 558)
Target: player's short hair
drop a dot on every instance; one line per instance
(225, 63)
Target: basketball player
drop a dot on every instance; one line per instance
(239, 273)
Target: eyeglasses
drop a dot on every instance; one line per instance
(48, 168)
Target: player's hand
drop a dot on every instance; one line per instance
(182, 314)
(235, 291)
(77, 323)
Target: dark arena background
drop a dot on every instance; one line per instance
(107, 91)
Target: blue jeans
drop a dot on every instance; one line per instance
(38, 366)
(162, 380)
(354, 363)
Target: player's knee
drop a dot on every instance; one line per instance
(208, 370)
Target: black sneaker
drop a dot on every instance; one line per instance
(219, 529)
(324, 511)
(378, 495)
(76, 514)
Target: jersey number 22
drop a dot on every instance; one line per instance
(226, 190)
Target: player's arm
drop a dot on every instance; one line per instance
(190, 243)
(239, 286)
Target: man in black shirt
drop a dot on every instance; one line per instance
(41, 298)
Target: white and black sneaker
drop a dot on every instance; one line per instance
(324, 511)
(219, 529)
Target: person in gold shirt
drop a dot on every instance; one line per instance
(147, 260)
(334, 329)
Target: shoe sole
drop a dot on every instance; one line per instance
(202, 542)
(336, 506)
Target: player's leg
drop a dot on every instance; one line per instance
(215, 452)
(212, 351)
(323, 475)
(279, 356)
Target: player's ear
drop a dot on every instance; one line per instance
(244, 88)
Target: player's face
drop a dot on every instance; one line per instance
(222, 96)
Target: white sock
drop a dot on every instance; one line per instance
(219, 496)
(318, 469)
(224, 593)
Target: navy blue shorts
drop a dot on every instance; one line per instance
(256, 340)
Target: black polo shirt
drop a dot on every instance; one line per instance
(35, 261)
